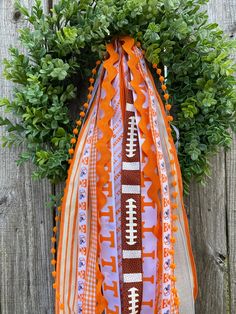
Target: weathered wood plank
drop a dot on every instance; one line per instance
(224, 12)
(25, 222)
(231, 223)
(212, 212)
(206, 207)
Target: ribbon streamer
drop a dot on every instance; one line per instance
(124, 244)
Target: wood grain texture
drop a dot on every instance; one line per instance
(212, 211)
(206, 208)
(224, 12)
(230, 163)
(25, 222)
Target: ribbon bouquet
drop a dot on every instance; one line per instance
(124, 242)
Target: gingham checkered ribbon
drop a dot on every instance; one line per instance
(89, 304)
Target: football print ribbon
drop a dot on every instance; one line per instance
(131, 221)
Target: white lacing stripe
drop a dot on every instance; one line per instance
(130, 189)
(131, 253)
(130, 107)
(130, 165)
(132, 277)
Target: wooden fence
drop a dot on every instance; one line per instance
(26, 223)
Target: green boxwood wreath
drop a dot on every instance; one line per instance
(62, 48)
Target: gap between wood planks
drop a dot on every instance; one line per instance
(227, 281)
